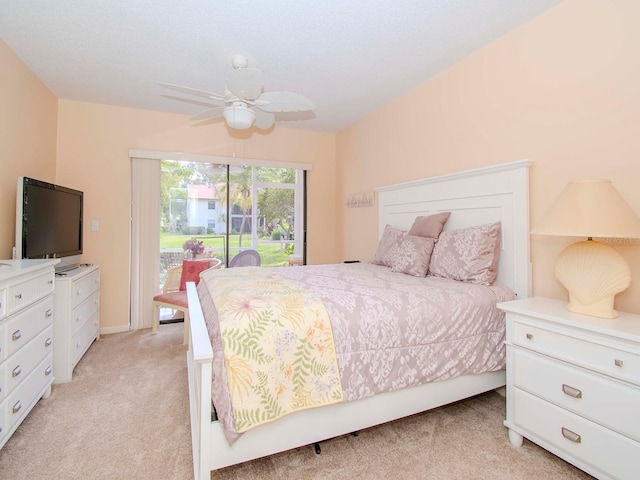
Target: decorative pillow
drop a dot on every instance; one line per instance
(429, 226)
(411, 255)
(469, 254)
(191, 272)
(390, 238)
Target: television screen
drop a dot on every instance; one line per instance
(49, 220)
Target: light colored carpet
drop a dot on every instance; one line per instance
(125, 416)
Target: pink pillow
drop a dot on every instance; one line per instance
(191, 272)
(429, 226)
(468, 254)
(411, 255)
(390, 238)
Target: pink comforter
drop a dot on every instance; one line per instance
(391, 330)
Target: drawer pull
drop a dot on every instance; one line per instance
(78, 292)
(16, 335)
(48, 313)
(569, 435)
(50, 282)
(529, 336)
(47, 342)
(16, 371)
(618, 362)
(572, 392)
(17, 406)
(48, 371)
(18, 296)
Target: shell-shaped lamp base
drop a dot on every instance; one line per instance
(593, 273)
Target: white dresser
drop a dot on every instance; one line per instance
(26, 339)
(77, 318)
(573, 385)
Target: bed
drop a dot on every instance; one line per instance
(493, 194)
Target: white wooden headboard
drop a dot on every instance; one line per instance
(483, 195)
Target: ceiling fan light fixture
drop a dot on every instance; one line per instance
(239, 117)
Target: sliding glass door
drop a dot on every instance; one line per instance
(216, 211)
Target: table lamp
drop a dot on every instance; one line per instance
(593, 272)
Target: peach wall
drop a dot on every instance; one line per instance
(28, 119)
(93, 146)
(562, 91)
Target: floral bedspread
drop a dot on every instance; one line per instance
(390, 330)
(278, 345)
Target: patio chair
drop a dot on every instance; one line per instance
(174, 295)
(246, 258)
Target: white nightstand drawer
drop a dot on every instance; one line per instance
(604, 357)
(586, 441)
(607, 402)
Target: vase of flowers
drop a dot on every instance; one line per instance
(194, 246)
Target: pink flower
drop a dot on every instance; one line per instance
(194, 246)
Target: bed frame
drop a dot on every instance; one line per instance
(484, 195)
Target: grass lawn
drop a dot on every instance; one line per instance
(270, 253)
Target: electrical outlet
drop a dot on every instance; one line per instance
(95, 225)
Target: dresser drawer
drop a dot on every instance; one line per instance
(3, 427)
(607, 402)
(84, 287)
(83, 312)
(85, 336)
(605, 357)
(3, 302)
(592, 444)
(19, 366)
(26, 325)
(3, 345)
(19, 403)
(27, 292)
(3, 387)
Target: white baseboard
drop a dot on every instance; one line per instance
(118, 329)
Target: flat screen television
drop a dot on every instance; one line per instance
(49, 222)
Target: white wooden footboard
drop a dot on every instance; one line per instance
(199, 361)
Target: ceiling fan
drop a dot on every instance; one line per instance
(244, 103)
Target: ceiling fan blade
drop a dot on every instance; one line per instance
(284, 102)
(188, 100)
(245, 82)
(264, 120)
(215, 112)
(194, 91)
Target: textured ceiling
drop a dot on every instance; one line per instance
(348, 57)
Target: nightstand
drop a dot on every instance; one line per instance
(573, 385)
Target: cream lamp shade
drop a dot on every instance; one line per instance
(593, 272)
